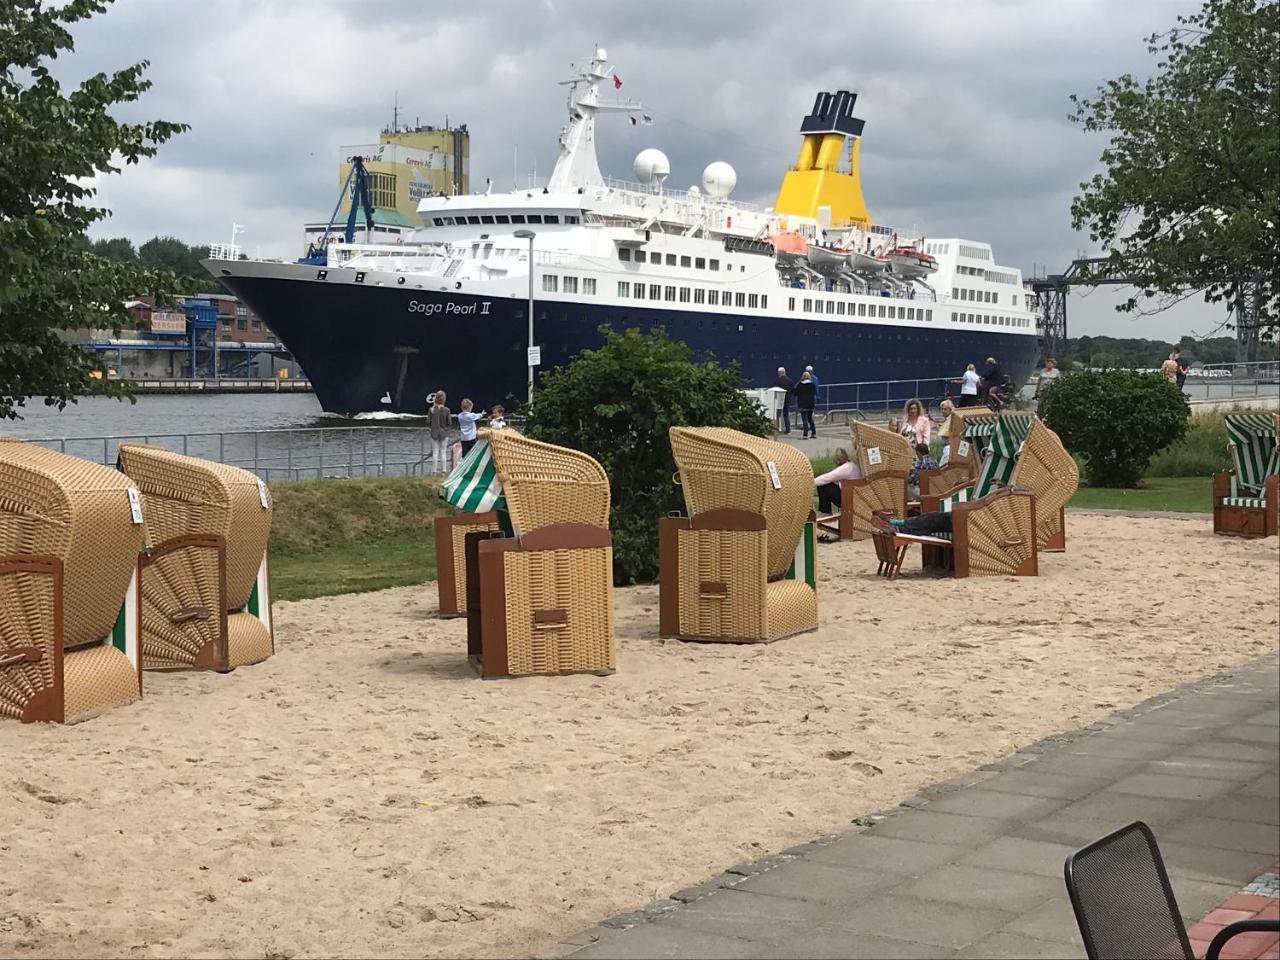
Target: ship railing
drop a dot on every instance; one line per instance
(694, 199)
(382, 449)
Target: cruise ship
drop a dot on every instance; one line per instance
(810, 280)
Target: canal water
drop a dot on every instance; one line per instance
(151, 415)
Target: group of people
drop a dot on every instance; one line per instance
(990, 387)
(1175, 368)
(805, 393)
(440, 419)
(917, 428)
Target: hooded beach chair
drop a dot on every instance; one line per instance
(472, 486)
(1046, 469)
(958, 470)
(539, 589)
(995, 528)
(740, 567)
(885, 459)
(70, 533)
(206, 592)
(1246, 500)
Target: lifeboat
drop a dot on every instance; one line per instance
(911, 263)
(791, 245)
(826, 259)
(865, 263)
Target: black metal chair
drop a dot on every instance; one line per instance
(1125, 906)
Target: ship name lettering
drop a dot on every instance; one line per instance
(430, 309)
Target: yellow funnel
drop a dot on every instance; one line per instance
(816, 182)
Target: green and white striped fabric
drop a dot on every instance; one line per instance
(804, 565)
(260, 598)
(125, 635)
(1253, 449)
(473, 485)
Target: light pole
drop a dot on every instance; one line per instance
(529, 235)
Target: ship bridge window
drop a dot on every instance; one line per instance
(549, 283)
(570, 218)
(475, 220)
(700, 263)
(671, 259)
(535, 218)
(639, 256)
(438, 221)
(624, 254)
(551, 218)
(517, 218)
(486, 219)
(570, 284)
(502, 218)
(686, 261)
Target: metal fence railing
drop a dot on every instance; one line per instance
(287, 454)
(836, 400)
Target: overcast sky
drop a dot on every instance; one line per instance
(967, 131)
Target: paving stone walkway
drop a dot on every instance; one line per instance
(973, 867)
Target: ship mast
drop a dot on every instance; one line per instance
(576, 165)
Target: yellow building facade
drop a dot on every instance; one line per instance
(408, 165)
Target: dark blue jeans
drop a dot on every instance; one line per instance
(786, 419)
(806, 422)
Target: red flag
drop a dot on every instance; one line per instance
(617, 82)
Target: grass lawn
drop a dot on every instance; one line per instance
(394, 561)
(1178, 494)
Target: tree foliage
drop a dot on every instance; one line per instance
(617, 404)
(53, 143)
(1149, 354)
(1190, 196)
(1117, 420)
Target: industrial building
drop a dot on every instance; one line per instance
(406, 165)
(214, 335)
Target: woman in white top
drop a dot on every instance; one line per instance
(1049, 374)
(969, 386)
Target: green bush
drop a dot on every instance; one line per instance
(1203, 452)
(617, 403)
(1116, 420)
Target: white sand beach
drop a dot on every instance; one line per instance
(363, 793)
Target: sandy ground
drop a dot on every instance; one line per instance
(363, 794)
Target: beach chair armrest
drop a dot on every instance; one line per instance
(39, 647)
(1222, 484)
(183, 602)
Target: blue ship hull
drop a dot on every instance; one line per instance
(361, 344)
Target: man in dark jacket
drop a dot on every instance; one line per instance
(806, 392)
(785, 383)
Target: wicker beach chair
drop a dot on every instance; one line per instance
(994, 535)
(539, 591)
(1046, 469)
(740, 567)
(885, 459)
(206, 591)
(70, 532)
(1246, 500)
(473, 485)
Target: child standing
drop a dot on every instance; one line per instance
(467, 424)
(438, 421)
(498, 418)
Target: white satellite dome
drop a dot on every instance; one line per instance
(651, 167)
(694, 191)
(719, 179)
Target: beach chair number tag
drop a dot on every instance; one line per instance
(262, 495)
(135, 505)
(873, 455)
(963, 449)
(773, 475)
